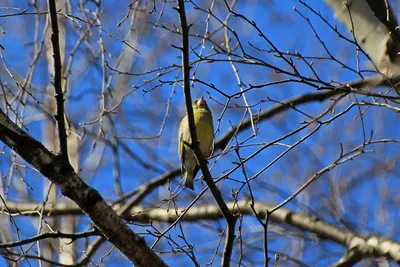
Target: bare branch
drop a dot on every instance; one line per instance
(373, 82)
(371, 246)
(230, 219)
(59, 95)
(53, 235)
(60, 172)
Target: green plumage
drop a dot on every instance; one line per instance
(205, 133)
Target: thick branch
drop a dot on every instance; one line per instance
(59, 116)
(60, 172)
(370, 246)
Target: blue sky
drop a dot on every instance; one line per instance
(368, 201)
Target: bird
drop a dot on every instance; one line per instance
(205, 133)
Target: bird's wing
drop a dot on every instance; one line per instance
(181, 145)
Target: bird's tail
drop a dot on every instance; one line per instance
(189, 181)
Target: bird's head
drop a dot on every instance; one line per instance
(200, 103)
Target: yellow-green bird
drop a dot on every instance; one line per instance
(205, 133)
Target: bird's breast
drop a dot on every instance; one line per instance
(204, 130)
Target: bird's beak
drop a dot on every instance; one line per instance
(202, 102)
